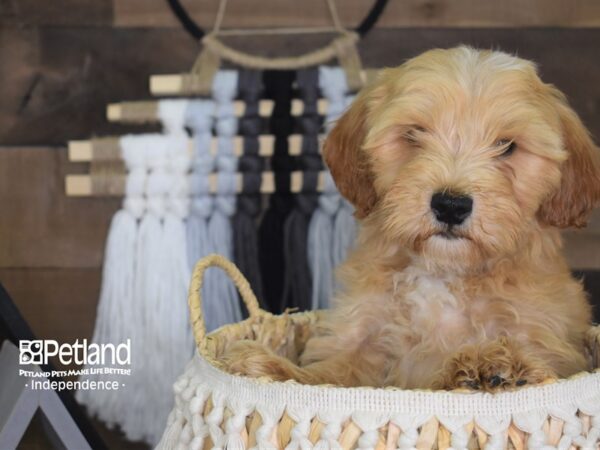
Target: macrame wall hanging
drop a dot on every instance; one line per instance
(237, 171)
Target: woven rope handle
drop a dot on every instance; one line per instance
(195, 293)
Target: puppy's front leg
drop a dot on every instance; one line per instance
(493, 366)
(253, 359)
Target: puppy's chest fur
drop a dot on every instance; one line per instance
(438, 311)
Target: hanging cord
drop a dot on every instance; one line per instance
(198, 33)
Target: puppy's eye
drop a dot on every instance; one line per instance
(412, 134)
(507, 146)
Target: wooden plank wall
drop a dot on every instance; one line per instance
(62, 61)
(59, 70)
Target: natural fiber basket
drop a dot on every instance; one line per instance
(214, 409)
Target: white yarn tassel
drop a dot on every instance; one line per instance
(117, 292)
(175, 342)
(141, 411)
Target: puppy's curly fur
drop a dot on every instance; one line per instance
(489, 303)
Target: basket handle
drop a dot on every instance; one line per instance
(195, 292)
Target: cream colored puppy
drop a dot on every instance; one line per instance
(462, 165)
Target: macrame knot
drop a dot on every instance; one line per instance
(226, 189)
(331, 432)
(226, 163)
(299, 434)
(225, 204)
(369, 423)
(225, 86)
(180, 162)
(227, 123)
(202, 206)
(409, 426)
(172, 115)
(156, 153)
(329, 203)
(136, 206)
(199, 116)
(214, 419)
(133, 149)
(136, 182)
(197, 403)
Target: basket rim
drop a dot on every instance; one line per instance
(393, 400)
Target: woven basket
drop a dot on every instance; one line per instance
(214, 409)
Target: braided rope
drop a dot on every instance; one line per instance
(344, 42)
(195, 293)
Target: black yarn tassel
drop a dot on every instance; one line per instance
(298, 279)
(244, 222)
(278, 86)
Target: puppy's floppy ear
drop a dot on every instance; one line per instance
(579, 191)
(348, 163)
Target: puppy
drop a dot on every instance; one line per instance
(462, 166)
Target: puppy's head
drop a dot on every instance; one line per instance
(458, 154)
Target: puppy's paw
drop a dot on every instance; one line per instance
(252, 359)
(493, 366)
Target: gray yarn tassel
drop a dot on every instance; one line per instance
(220, 293)
(332, 229)
(199, 118)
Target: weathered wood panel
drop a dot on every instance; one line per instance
(58, 304)
(582, 250)
(39, 225)
(56, 12)
(407, 13)
(60, 79)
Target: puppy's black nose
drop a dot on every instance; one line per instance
(451, 209)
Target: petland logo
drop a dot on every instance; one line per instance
(40, 351)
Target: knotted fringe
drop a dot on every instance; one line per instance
(320, 239)
(116, 306)
(332, 229)
(278, 86)
(151, 294)
(218, 289)
(244, 222)
(177, 345)
(199, 119)
(298, 281)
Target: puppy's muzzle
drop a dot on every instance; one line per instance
(451, 209)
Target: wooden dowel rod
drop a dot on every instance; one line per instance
(89, 186)
(147, 111)
(173, 84)
(109, 148)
